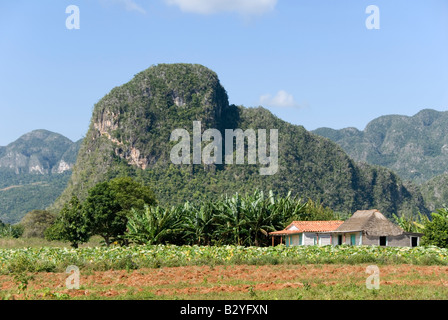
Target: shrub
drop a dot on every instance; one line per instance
(35, 223)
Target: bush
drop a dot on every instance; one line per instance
(11, 231)
(436, 231)
(35, 223)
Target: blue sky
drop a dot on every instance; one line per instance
(311, 62)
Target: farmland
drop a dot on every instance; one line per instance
(155, 256)
(241, 282)
(226, 272)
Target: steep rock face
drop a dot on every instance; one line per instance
(130, 133)
(415, 147)
(128, 123)
(132, 115)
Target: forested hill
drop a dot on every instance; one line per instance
(435, 192)
(34, 170)
(130, 130)
(414, 147)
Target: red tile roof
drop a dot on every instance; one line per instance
(309, 226)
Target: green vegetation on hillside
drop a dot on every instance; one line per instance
(27, 192)
(435, 192)
(414, 147)
(129, 135)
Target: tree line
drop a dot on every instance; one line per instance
(124, 211)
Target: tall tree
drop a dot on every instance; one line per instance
(131, 194)
(104, 213)
(72, 224)
(109, 204)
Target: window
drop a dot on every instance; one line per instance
(383, 241)
(340, 239)
(414, 242)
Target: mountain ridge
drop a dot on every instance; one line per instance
(416, 147)
(130, 129)
(34, 170)
(39, 151)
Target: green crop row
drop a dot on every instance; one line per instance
(134, 257)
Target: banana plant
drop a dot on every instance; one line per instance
(198, 225)
(153, 225)
(411, 224)
(231, 220)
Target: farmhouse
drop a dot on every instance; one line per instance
(303, 233)
(365, 227)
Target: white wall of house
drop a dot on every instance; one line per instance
(313, 238)
(334, 239)
(308, 239)
(324, 239)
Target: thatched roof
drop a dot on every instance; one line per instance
(373, 222)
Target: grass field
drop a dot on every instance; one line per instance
(227, 272)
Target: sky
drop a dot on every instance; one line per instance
(316, 63)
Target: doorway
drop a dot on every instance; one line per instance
(340, 239)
